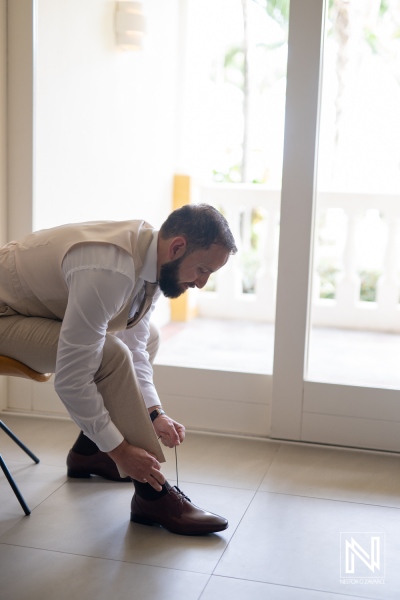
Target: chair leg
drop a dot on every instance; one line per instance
(14, 486)
(18, 441)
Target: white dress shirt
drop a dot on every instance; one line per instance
(100, 278)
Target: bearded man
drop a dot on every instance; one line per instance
(76, 301)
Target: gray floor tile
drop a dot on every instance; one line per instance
(239, 589)
(49, 439)
(35, 482)
(32, 574)
(8, 518)
(295, 541)
(335, 473)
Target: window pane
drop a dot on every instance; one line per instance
(355, 315)
(235, 86)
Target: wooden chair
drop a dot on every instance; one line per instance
(14, 368)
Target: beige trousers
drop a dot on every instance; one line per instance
(34, 340)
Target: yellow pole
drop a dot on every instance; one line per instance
(181, 191)
(180, 309)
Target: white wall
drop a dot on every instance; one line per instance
(3, 148)
(20, 117)
(3, 115)
(105, 119)
(103, 124)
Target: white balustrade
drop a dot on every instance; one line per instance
(388, 283)
(238, 201)
(349, 284)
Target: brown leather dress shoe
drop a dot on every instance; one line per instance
(175, 512)
(100, 464)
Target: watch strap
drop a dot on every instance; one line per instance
(156, 413)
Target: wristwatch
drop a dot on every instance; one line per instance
(156, 413)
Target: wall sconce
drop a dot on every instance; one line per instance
(130, 25)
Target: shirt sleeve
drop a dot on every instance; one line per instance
(91, 305)
(136, 339)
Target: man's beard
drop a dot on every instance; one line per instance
(169, 279)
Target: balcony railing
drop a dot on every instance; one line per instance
(345, 309)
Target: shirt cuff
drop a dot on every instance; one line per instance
(108, 438)
(150, 396)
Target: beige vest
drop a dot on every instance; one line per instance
(39, 282)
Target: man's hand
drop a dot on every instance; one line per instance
(138, 464)
(169, 431)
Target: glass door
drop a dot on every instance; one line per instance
(355, 320)
(339, 338)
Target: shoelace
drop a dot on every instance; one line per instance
(181, 495)
(176, 487)
(176, 467)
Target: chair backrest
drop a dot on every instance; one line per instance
(14, 368)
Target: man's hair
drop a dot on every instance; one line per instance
(201, 225)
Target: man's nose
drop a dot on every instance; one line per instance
(202, 280)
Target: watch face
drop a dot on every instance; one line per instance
(156, 412)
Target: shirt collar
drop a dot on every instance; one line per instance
(149, 268)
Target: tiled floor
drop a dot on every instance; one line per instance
(286, 503)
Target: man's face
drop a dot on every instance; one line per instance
(191, 270)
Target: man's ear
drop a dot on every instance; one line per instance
(177, 248)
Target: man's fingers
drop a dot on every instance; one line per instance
(176, 429)
(139, 464)
(154, 484)
(156, 465)
(176, 438)
(170, 438)
(167, 441)
(172, 433)
(156, 480)
(180, 431)
(158, 476)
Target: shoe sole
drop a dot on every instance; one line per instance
(144, 521)
(84, 475)
(78, 474)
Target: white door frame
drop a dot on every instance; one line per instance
(297, 215)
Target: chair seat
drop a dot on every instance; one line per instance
(14, 368)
